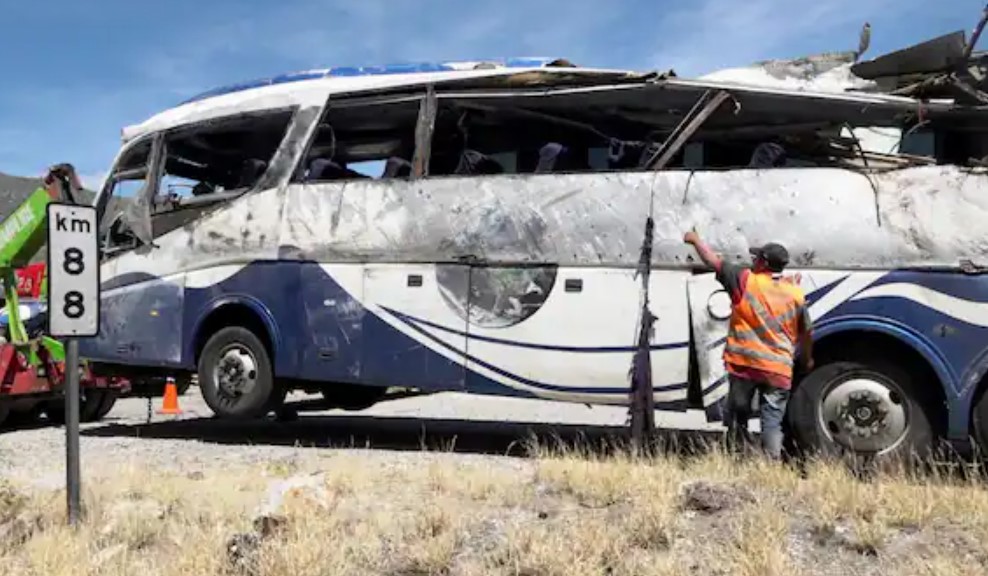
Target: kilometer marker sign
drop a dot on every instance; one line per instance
(73, 271)
(73, 312)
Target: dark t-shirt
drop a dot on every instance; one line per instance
(734, 278)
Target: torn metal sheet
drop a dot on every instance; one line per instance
(935, 55)
(826, 73)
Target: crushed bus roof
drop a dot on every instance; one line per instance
(312, 87)
(516, 75)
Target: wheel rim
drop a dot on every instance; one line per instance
(864, 414)
(235, 373)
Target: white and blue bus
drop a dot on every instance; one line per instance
(476, 227)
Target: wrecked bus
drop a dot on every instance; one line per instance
(476, 227)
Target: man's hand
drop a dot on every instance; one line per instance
(706, 254)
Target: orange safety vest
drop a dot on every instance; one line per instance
(765, 326)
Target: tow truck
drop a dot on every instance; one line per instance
(32, 364)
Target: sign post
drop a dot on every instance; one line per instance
(73, 312)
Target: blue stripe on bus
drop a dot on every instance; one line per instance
(408, 319)
(536, 384)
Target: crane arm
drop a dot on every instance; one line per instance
(24, 232)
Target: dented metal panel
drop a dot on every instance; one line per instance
(827, 218)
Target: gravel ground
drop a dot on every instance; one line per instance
(478, 426)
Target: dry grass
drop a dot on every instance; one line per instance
(556, 514)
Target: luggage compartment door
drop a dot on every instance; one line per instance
(710, 312)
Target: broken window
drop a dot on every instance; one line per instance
(211, 163)
(475, 136)
(688, 125)
(119, 208)
(362, 139)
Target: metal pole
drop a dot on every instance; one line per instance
(72, 480)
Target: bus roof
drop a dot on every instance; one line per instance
(351, 71)
(312, 87)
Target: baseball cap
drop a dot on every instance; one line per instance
(774, 254)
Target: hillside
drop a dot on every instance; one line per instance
(15, 189)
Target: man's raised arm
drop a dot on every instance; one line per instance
(709, 257)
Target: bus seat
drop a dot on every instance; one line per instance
(473, 162)
(202, 189)
(768, 155)
(555, 157)
(322, 169)
(250, 172)
(397, 167)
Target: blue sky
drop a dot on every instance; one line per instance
(74, 73)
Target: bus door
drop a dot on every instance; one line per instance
(710, 311)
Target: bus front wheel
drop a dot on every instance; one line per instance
(235, 374)
(859, 409)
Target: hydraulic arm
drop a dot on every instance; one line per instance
(21, 236)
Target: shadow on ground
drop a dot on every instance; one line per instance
(397, 433)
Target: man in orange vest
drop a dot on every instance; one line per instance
(769, 321)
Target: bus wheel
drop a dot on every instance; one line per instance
(979, 422)
(235, 374)
(866, 410)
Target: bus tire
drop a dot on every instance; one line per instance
(235, 374)
(979, 422)
(849, 408)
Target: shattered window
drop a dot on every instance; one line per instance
(213, 163)
(360, 141)
(126, 184)
(481, 140)
(623, 128)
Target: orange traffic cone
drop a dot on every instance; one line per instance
(170, 403)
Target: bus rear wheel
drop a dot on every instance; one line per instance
(235, 374)
(849, 408)
(979, 422)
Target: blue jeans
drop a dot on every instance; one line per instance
(771, 407)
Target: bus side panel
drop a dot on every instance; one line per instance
(413, 337)
(269, 289)
(140, 320)
(942, 315)
(569, 334)
(332, 345)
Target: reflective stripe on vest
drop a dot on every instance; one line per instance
(764, 325)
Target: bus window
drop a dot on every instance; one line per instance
(479, 140)
(121, 208)
(209, 164)
(363, 140)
